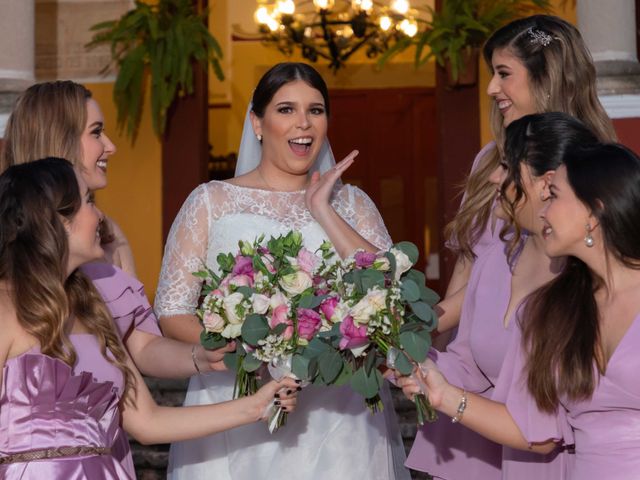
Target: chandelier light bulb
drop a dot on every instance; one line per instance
(323, 4)
(409, 27)
(272, 24)
(400, 6)
(262, 15)
(385, 23)
(286, 7)
(362, 5)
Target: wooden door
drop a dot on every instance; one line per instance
(395, 132)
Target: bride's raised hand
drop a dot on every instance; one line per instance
(281, 393)
(320, 187)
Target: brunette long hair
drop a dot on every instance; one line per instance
(561, 319)
(562, 78)
(540, 142)
(35, 200)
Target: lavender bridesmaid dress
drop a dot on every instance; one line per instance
(46, 405)
(605, 428)
(125, 298)
(474, 361)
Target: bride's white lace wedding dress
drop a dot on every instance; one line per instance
(332, 434)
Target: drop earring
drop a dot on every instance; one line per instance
(588, 239)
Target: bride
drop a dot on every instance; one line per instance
(278, 187)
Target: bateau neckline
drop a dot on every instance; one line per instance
(262, 190)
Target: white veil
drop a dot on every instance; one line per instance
(251, 151)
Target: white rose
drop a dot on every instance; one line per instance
(232, 330)
(377, 299)
(230, 303)
(373, 302)
(402, 262)
(362, 312)
(260, 303)
(340, 312)
(296, 283)
(382, 264)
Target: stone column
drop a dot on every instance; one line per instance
(16, 52)
(610, 33)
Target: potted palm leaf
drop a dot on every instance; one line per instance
(458, 30)
(155, 47)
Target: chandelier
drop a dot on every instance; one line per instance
(334, 29)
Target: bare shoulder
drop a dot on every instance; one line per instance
(14, 339)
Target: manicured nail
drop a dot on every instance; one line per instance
(277, 403)
(289, 392)
(277, 395)
(298, 388)
(298, 380)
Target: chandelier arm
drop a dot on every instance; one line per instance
(355, 47)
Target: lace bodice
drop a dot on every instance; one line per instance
(216, 215)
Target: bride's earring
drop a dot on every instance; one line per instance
(588, 239)
(259, 137)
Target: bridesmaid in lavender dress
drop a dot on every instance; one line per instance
(67, 382)
(505, 273)
(577, 359)
(62, 119)
(536, 63)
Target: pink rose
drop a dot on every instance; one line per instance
(364, 259)
(281, 315)
(268, 260)
(213, 322)
(352, 336)
(243, 266)
(307, 261)
(328, 306)
(241, 281)
(309, 323)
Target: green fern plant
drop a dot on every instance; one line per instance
(155, 46)
(459, 27)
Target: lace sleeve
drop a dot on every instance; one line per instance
(185, 253)
(361, 213)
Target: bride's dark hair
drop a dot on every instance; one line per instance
(281, 74)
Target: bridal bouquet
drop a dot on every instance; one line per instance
(375, 309)
(263, 297)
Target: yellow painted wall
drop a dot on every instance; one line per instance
(134, 197)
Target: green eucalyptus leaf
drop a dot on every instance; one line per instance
(410, 291)
(415, 345)
(231, 361)
(254, 329)
(403, 364)
(300, 367)
(366, 385)
(211, 340)
(251, 363)
(330, 364)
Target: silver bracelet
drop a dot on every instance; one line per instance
(461, 407)
(193, 357)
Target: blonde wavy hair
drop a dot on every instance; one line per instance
(562, 78)
(47, 121)
(35, 199)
